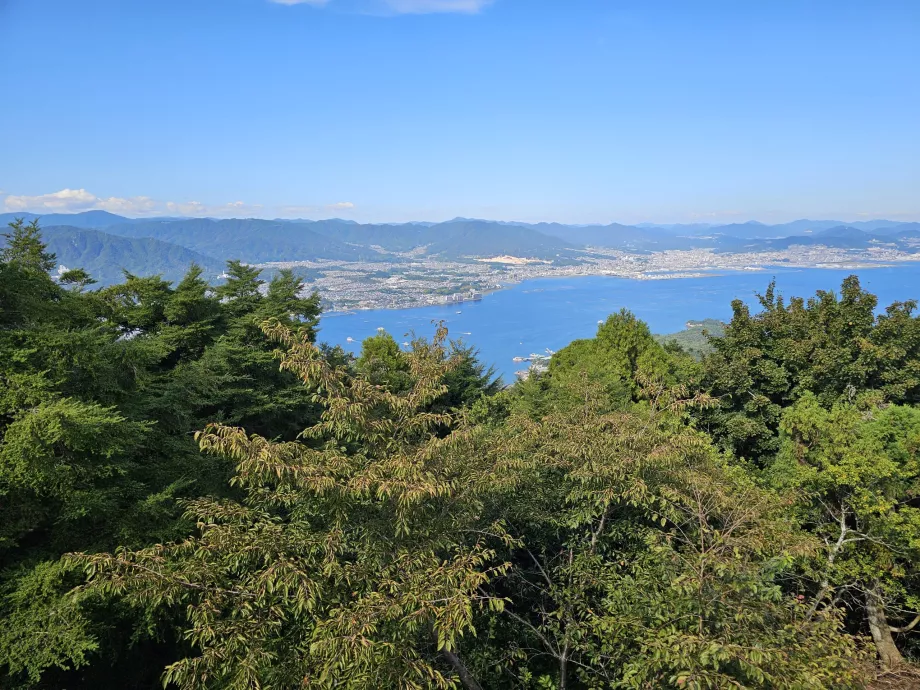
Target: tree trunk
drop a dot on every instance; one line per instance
(881, 632)
(466, 678)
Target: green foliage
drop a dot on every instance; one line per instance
(348, 562)
(100, 393)
(632, 518)
(621, 354)
(25, 249)
(643, 560)
(856, 469)
(467, 380)
(834, 347)
(383, 363)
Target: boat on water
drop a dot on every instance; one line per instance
(536, 358)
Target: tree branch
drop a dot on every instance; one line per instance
(466, 678)
(905, 628)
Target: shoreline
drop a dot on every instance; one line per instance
(676, 274)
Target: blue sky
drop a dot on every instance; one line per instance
(392, 110)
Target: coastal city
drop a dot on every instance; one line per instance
(408, 280)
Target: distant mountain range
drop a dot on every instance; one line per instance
(104, 243)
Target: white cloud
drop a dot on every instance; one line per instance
(431, 6)
(76, 200)
(317, 3)
(410, 6)
(313, 210)
(234, 209)
(69, 200)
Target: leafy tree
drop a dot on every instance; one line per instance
(241, 290)
(641, 559)
(348, 563)
(856, 468)
(383, 363)
(468, 380)
(622, 352)
(76, 277)
(833, 347)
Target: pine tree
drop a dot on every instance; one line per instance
(24, 247)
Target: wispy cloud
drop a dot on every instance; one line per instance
(307, 210)
(432, 6)
(76, 200)
(317, 3)
(410, 6)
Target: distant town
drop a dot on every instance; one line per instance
(413, 281)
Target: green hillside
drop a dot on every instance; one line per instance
(694, 338)
(250, 239)
(476, 238)
(105, 256)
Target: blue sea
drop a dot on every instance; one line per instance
(551, 312)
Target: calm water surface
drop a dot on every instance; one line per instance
(551, 312)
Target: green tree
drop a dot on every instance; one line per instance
(349, 561)
(383, 363)
(467, 379)
(642, 559)
(832, 346)
(623, 352)
(100, 393)
(856, 469)
(24, 247)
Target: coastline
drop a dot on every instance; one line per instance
(647, 276)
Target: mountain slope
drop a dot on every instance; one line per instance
(104, 256)
(252, 240)
(86, 219)
(394, 238)
(476, 238)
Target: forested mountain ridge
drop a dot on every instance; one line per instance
(263, 240)
(85, 220)
(258, 240)
(107, 256)
(634, 517)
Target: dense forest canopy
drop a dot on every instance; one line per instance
(195, 492)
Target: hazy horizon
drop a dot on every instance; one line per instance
(738, 221)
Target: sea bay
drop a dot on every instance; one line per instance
(551, 312)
